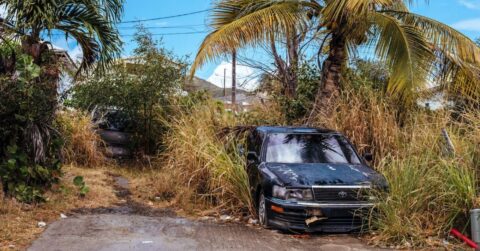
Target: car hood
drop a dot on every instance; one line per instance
(326, 174)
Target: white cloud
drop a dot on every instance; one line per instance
(468, 25)
(471, 4)
(246, 76)
(76, 54)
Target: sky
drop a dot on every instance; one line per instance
(463, 15)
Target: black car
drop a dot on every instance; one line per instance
(309, 179)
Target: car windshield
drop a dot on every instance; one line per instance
(310, 148)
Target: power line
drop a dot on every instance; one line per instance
(166, 17)
(162, 27)
(170, 34)
(155, 34)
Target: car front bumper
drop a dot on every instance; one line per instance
(321, 217)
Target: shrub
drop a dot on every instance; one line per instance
(29, 144)
(140, 88)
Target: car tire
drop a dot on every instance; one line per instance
(262, 211)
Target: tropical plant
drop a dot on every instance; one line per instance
(415, 48)
(89, 22)
(30, 73)
(79, 182)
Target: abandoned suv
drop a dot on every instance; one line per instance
(308, 179)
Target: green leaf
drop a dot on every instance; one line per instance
(12, 163)
(78, 181)
(84, 190)
(12, 149)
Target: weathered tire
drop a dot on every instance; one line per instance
(262, 211)
(115, 137)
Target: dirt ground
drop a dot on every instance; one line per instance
(133, 226)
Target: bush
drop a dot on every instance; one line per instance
(140, 88)
(29, 144)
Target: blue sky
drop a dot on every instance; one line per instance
(461, 14)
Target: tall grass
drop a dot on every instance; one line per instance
(82, 145)
(206, 168)
(431, 190)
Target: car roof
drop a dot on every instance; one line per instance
(294, 129)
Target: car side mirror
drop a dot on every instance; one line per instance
(368, 156)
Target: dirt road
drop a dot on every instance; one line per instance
(133, 226)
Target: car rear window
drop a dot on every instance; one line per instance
(310, 148)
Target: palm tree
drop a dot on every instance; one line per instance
(91, 23)
(416, 49)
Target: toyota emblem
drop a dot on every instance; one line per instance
(342, 194)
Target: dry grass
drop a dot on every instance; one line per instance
(82, 144)
(431, 191)
(18, 222)
(367, 120)
(204, 170)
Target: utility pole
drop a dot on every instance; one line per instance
(224, 82)
(234, 79)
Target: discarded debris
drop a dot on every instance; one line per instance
(314, 219)
(62, 216)
(41, 224)
(226, 218)
(252, 221)
(147, 242)
(206, 218)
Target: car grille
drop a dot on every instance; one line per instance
(340, 194)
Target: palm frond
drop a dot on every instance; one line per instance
(252, 23)
(406, 52)
(457, 77)
(111, 9)
(442, 36)
(99, 40)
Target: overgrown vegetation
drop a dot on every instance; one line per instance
(201, 169)
(431, 191)
(139, 87)
(30, 69)
(29, 145)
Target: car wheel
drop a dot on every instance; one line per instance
(262, 211)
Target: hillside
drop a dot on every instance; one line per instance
(198, 84)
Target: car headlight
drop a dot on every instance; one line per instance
(292, 194)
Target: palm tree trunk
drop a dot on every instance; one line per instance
(292, 71)
(329, 89)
